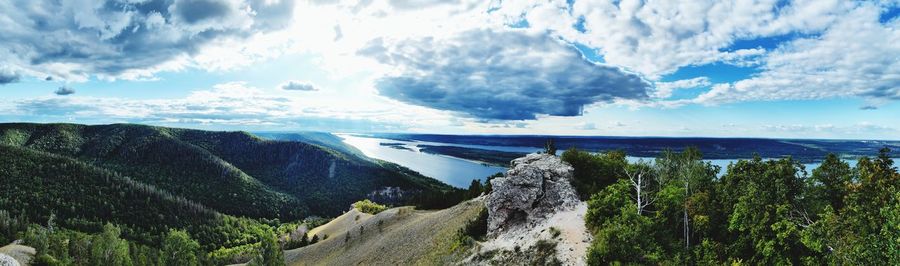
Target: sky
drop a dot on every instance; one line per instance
(773, 69)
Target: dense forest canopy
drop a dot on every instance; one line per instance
(769, 212)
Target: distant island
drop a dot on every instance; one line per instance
(395, 145)
(492, 157)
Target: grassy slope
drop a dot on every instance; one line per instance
(232, 172)
(405, 236)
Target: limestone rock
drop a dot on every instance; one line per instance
(535, 187)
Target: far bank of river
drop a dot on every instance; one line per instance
(460, 172)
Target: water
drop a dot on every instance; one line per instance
(453, 171)
(460, 172)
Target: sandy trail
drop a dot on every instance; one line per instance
(573, 240)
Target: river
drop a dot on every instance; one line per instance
(460, 172)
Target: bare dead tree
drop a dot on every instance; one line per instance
(641, 177)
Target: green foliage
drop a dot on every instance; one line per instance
(550, 147)
(544, 253)
(625, 238)
(84, 198)
(367, 206)
(11, 226)
(473, 230)
(475, 188)
(58, 246)
(759, 212)
(149, 180)
(269, 254)
(297, 242)
(108, 249)
(593, 172)
(554, 232)
(179, 249)
(607, 204)
(233, 173)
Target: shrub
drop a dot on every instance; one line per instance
(367, 206)
(593, 172)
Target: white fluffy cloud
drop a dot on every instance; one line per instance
(658, 37)
(857, 56)
(76, 40)
(665, 89)
(842, 50)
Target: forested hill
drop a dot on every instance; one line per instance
(233, 173)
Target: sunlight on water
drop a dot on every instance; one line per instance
(454, 171)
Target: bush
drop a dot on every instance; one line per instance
(367, 206)
(593, 172)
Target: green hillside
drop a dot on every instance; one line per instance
(84, 197)
(231, 172)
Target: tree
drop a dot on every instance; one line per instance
(179, 249)
(475, 188)
(643, 182)
(10, 226)
(108, 249)
(270, 253)
(763, 216)
(550, 147)
(593, 172)
(830, 181)
(625, 239)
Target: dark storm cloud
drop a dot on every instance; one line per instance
(193, 11)
(66, 39)
(500, 75)
(63, 91)
(7, 77)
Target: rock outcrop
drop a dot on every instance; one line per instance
(535, 187)
(534, 216)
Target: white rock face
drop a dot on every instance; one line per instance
(535, 187)
(526, 206)
(6, 260)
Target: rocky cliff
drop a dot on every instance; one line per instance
(535, 187)
(535, 216)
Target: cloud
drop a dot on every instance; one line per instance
(7, 77)
(848, 130)
(869, 107)
(295, 85)
(499, 74)
(224, 106)
(74, 40)
(63, 91)
(656, 38)
(665, 89)
(855, 57)
(587, 126)
(803, 49)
